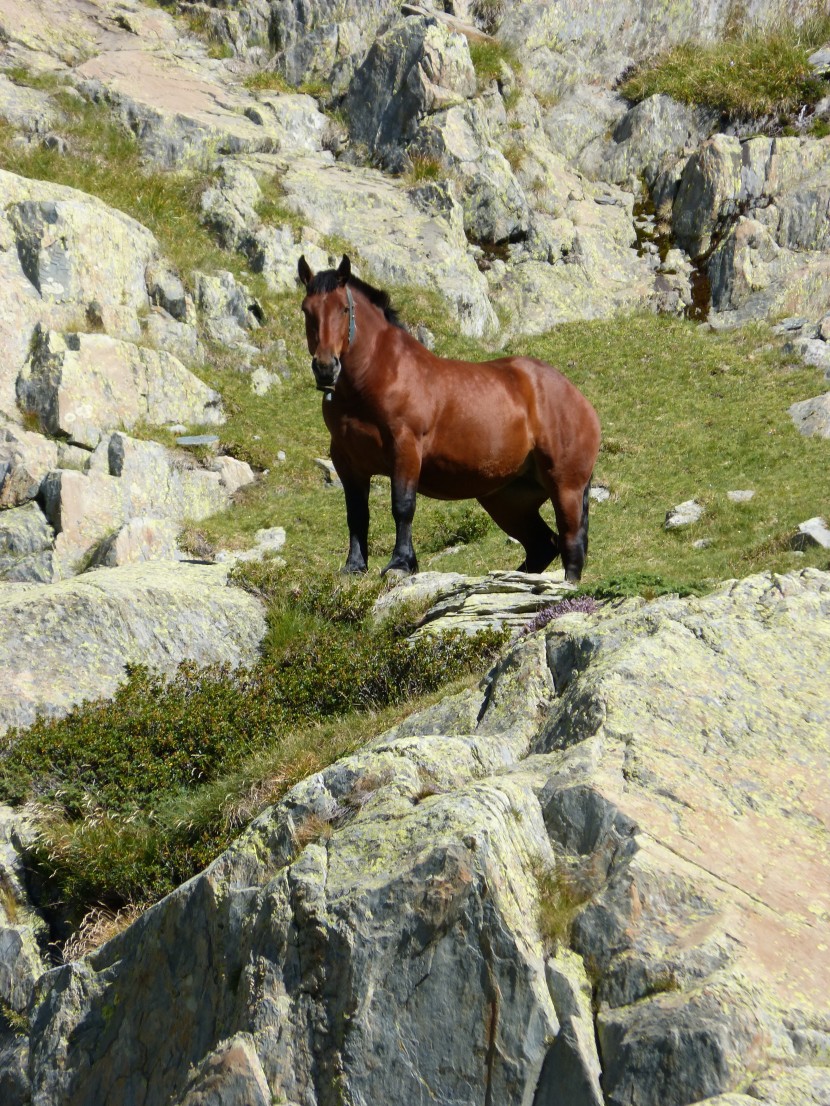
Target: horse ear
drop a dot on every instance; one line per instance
(344, 270)
(304, 271)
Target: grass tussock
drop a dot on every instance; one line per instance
(758, 72)
(138, 793)
(489, 60)
(563, 891)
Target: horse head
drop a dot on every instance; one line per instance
(328, 308)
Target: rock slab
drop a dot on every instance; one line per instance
(85, 631)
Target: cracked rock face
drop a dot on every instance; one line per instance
(378, 935)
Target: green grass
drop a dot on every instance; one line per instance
(686, 413)
(267, 80)
(760, 72)
(105, 160)
(139, 792)
(489, 58)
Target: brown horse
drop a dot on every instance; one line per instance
(510, 433)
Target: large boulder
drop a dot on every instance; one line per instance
(417, 67)
(74, 640)
(400, 242)
(126, 479)
(82, 385)
(64, 256)
(761, 209)
(25, 458)
(495, 208)
(401, 919)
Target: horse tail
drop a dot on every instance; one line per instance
(583, 526)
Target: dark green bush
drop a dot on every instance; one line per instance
(107, 771)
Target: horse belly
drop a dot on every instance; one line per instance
(472, 465)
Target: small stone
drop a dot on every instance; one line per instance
(233, 474)
(740, 496)
(702, 543)
(281, 455)
(819, 62)
(788, 326)
(824, 329)
(262, 381)
(812, 533)
(812, 416)
(328, 470)
(684, 514)
(198, 439)
(599, 493)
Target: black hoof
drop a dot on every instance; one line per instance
(352, 569)
(400, 568)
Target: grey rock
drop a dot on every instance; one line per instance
(140, 539)
(166, 290)
(330, 477)
(813, 351)
(84, 632)
(27, 109)
(648, 138)
(812, 416)
(813, 532)
(710, 186)
(161, 331)
(417, 917)
(82, 385)
(23, 933)
(417, 67)
(740, 496)
(495, 208)
(227, 307)
(398, 243)
(580, 121)
(26, 541)
(498, 600)
(684, 514)
(262, 381)
(819, 62)
(318, 43)
(25, 458)
(230, 1076)
(229, 205)
(233, 474)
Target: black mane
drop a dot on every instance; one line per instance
(328, 281)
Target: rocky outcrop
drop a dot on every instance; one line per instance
(398, 240)
(85, 632)
(124, 485)
(566, 44)
(760, 208)
(79, 386)
(628, 783)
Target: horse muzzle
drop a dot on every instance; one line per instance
(325, 375)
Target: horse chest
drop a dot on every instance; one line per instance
(359, 439)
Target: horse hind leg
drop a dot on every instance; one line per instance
(571, 508)
(515, 509)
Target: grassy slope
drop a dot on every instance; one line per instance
(685, 413)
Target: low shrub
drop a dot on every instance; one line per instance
(111, 775)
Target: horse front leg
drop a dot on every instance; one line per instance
(405, 474)
(357, 517)
(356, 490)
